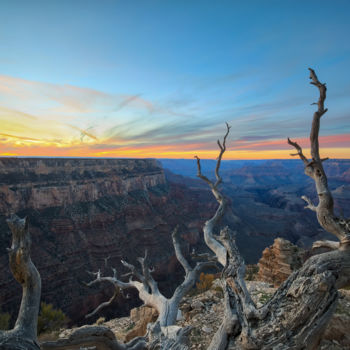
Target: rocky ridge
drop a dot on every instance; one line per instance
(204, 313)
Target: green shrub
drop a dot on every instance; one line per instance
(50, 319)
(251, 272)
(4, 320)
(100, 320)
(264, 297)
(130, 327)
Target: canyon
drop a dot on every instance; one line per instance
(88, 214)
(266, 199)
(83, 211)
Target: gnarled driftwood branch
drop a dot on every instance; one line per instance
(148, 288)
(24, 334)
(297, 314)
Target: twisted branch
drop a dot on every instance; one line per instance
(24, 333)
(218, 249)
(25, 273)
(148, 287)
(314, 169)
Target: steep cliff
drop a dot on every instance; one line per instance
(84, 210)
(266, 197)
(39, 183)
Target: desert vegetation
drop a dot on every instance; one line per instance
(50, 319)
(294, 317)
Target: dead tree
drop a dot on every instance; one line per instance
(210, 225)
(148, 288)
(297, 314)
(93, 337)
(24, 334)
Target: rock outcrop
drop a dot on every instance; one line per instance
(88, 214)
(141, 317)
(279, 261)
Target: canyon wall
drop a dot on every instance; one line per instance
(39, 183)
(84, 210)
(266, 197)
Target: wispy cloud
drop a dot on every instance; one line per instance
(50, 119)
(18, 137)
(84, 133)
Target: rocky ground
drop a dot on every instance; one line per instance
(204, 313)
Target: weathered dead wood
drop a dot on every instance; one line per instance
(148, 288)
(93, 337)
(208, 229)
(331, 245)
(24, 334)
(168, 338)
(299, 311)
(314, 168)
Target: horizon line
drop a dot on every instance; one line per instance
(130, 158)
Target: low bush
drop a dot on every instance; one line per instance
(205, 282)
(4, 320)
(251, 272)
(50, 319)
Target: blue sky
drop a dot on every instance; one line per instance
(104, 78)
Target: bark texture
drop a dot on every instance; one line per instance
(299, 311)
(168, 338)
(24, 333)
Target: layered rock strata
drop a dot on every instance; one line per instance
(88, 214)
(279, 261)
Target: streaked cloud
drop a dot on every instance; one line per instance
(67, 120)
(84, 88)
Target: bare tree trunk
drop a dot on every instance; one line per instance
(299, 311)
(24, 334)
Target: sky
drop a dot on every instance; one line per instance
(140, 79)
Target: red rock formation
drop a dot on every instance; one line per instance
(278, 261)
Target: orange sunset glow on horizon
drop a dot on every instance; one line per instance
(149, 81)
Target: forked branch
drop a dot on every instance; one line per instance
(314, 168)
(148, 288)
(297, 314)
(218, 249)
